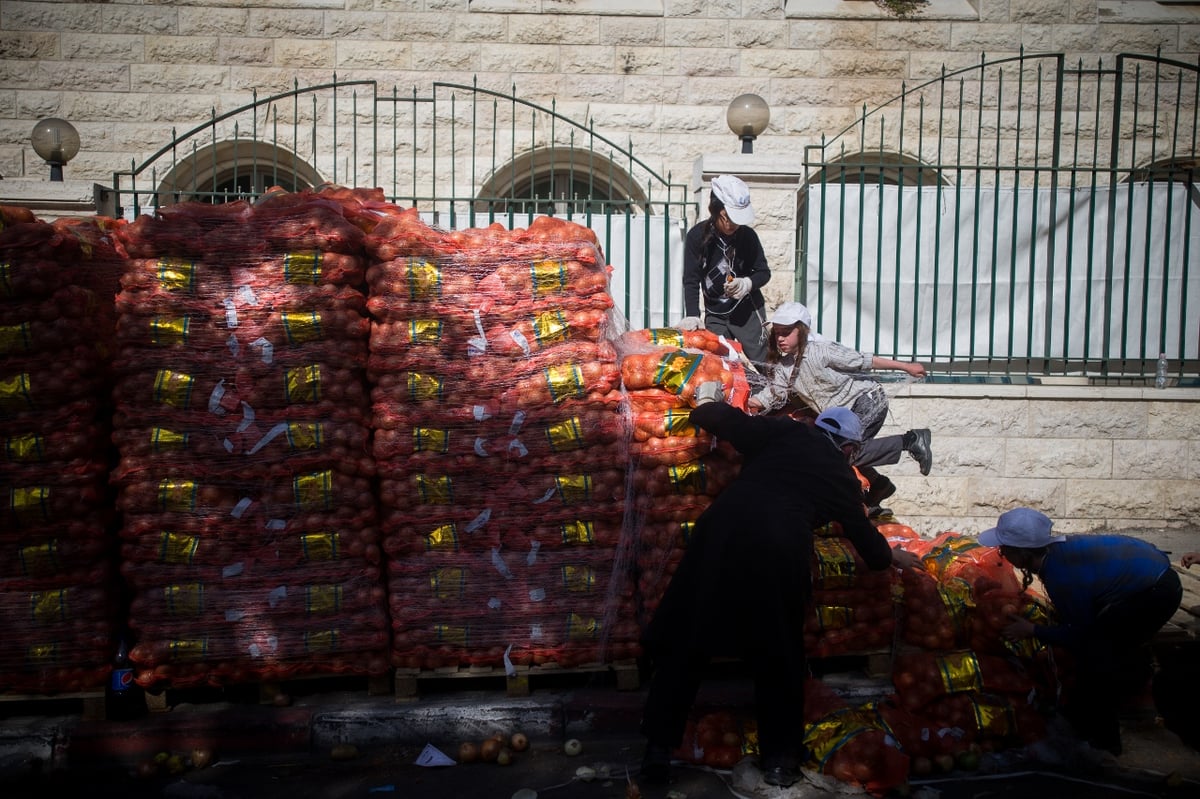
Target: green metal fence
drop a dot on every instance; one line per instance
(464, 155)
(1022, 216)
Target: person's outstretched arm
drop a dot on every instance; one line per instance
(912, 367)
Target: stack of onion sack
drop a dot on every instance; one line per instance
(501, 443)
(677, 468)
(249, 532)
(58, 587)
(961, 688)
(852, 609)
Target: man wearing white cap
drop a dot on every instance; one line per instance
(826, 374)
(724, 263)
(1111, 595)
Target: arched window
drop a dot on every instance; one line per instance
(560, 181)
(232, 170)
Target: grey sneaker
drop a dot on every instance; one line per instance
(916, 443)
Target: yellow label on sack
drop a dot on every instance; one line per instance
(178, 496)
(164, 440)
(448, 583)
(574, 488)
(174, 274)
(831, 732)
(313, 491)
(167, 331)
(188, 649)
(30, 504)
(686, 531)
(834, 617)
(674, 370)
(666, 337)
(301, 327)
(434, 489)
(173, 388)
(186, 599)
(960, 672)
(6, 289)
(15, 393)
(688, 478)
(565, 382)
(424, 280)
(582, 628)
(548, 277)
(177, 548)
(38, 560)
(998, 720)
(678, 422)
(551, 327)
(835, 563)
(424, 388)
(565, 436)
(578, 532)
(320, 546)
(321, 640)
(42, 654)
(322, 599)
(578, 579)
(48, 607)
(424, 331)
(305, 436)
(959, 599)
(302, 384)
(15, 339)
(941, 557)
(443, 537)
(430, 439)
(451, 634)
(302, 268)
(27, 448)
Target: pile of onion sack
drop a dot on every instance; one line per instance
(249, 528)
(677, 469)
(501, 441)
(58, 588)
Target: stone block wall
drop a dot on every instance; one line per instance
(1092, 458)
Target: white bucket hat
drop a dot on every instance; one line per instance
(734, 194)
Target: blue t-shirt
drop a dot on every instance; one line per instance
(1086, 573)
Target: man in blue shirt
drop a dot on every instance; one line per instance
(1111, 594)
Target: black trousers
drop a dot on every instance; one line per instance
(1115, 660)
(778, 673)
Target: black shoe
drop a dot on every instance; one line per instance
(878, 514)
(916, 443)
(656, 765)
(880, 489)
(781, 776)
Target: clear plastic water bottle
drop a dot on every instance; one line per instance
(1160, 373)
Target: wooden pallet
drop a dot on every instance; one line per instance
(266, 692)
(1184, 626)
(89, 704)
(518, 683)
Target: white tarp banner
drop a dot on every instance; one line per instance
(959, 271)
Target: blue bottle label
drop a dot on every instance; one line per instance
(122, 679)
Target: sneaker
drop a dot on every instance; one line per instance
(656, 764)
(916, 443)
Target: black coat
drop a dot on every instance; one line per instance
(747, 572)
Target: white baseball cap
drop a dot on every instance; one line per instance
(734, 194)
(791, 313)
(1024, 528)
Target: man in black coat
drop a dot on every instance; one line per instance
(746, 577)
